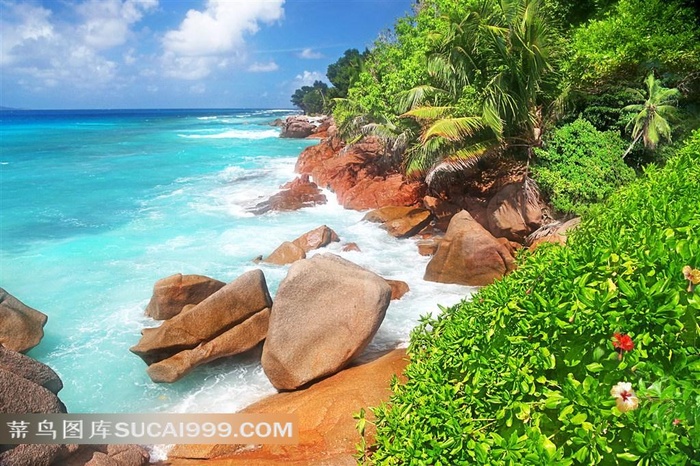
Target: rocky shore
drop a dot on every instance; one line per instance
(313, 332)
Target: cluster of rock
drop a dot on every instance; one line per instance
(470, 229)
(30, 387)
(324, 314)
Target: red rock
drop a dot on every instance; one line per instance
(21, 327)
(469, 255)
(326, 427)
(299, 126)
(351, 247)
(316, 238)
(286, 253)
(172, 293)
(442, 210)
(400, 221)
(325, 313)
(296, 194)
(229, 306)
(428, 247)
(394, 190)
(238, 339)
(398, 288)
(514, 214)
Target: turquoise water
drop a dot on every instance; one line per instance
(98, 205)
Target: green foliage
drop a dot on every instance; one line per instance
(522, 374)
(344, 72)
(635, 37)
(580, 166)
(311, 99)
(650, 121)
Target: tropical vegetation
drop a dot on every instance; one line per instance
(587, 354)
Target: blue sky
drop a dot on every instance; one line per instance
(177, 53)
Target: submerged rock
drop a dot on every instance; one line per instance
(21, 327)
(469, 255)
(325, 313)
(172, 293)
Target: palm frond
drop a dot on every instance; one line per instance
(454, 129)
(429, 113)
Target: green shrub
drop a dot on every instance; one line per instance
(522, 374)
(580, 166)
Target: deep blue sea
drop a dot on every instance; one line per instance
(95, 206)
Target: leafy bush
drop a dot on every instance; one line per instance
(580, 165)
(522, 374)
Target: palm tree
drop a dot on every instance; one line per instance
(498, 57)
(651, 119)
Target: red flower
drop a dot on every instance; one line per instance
(623, 342)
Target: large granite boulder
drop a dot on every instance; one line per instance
(22, 396)
(286, 253)
(229, 306)
(172, 293)
(236, 340)
(514, 212)
(297, 194)
(21, 327)
(107, 455)
(30, 369)
(400, 221)
(325, 313)
(469, 255)
(316, 238)
(375, 192)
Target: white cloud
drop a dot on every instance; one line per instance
(221, 27)
(309, 54)
(106, 22)
(41, 51)
(307, 78)
(263, 67)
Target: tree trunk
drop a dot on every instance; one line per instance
(632, 145)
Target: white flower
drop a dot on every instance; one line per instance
(624, 396)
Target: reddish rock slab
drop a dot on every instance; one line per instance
(299, 127)
(316, 238)
(325, 313)
(21, 327)
(286, 253)
(398, 288)
(372, 193)
(238, 339)
(469, 255)
(351, 247)
(172, 293)
(327, 434)
(229, 306)
(400, 221)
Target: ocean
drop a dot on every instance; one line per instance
(96, 206)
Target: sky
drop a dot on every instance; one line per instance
(85, 54)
